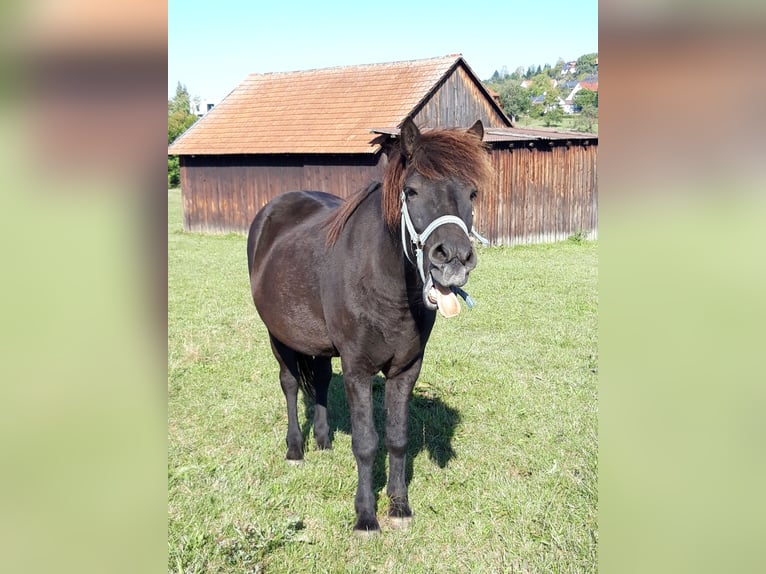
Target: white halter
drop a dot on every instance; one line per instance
(419, 239)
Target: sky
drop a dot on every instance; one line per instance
(213, 46)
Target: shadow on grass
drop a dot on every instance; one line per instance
(432, 424)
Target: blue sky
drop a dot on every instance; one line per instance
(213, 46)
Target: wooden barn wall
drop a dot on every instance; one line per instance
(458, 101)
(222, 194)
(541, 194)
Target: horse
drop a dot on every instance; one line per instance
(362, 279)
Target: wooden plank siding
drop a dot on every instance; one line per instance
(457, 101)
(541, 193)
(222, 194)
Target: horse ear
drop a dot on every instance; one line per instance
(477, 129)
(409, 134)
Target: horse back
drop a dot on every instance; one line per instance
(294, 209)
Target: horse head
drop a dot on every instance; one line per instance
(443, 171)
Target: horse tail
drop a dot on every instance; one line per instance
(252, 241)
(305, 365)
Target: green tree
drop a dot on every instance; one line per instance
(586, 64)
(553, 116)
(586, 119)
(553, 112)
(584, 98)
(180, 119)
(541, 84)
(514, 98)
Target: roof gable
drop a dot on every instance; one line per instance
(327, 110)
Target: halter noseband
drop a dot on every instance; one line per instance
(419, 239)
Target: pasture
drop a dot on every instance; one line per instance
(503, 428)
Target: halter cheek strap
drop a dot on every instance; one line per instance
(419, 239)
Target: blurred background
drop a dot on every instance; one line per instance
(682, 277)
(83, 297)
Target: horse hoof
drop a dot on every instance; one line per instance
(293, 462)
(367, 527)
(400, 522)
(366, 534)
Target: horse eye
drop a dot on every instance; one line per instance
(409, 192)
(474, 193)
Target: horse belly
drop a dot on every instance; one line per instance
(285, 289)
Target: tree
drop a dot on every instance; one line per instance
(585, 98)
(553, 112)
(514, 98)
(586, 119)
(586, 64)
(180, 119)
(553, 116)
(541, 84)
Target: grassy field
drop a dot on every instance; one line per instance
(502, 435)
(567, 123)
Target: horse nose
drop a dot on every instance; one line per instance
(443, 253)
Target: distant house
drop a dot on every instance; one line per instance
(588, 83)
(201, 107)
(540, 101)
(569, 68)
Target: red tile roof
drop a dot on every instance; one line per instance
(329, 110)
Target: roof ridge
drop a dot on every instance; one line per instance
(450, 57)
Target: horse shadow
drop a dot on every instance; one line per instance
(432, 424)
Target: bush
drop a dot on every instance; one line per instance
(174, 172)
(553, 117)
(586, 119)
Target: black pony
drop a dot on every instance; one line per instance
(362, 279)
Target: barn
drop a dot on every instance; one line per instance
(330, 130)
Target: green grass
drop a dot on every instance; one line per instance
(503, 428)
(568, 122)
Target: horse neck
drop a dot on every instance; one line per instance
(381, 243)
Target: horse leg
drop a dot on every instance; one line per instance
(364, 444)
(288, 378)
(322, 376)
(398, 391)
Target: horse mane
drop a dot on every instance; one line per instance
(337, 220)
(438, 154)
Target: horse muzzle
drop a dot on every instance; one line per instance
(449, 266)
